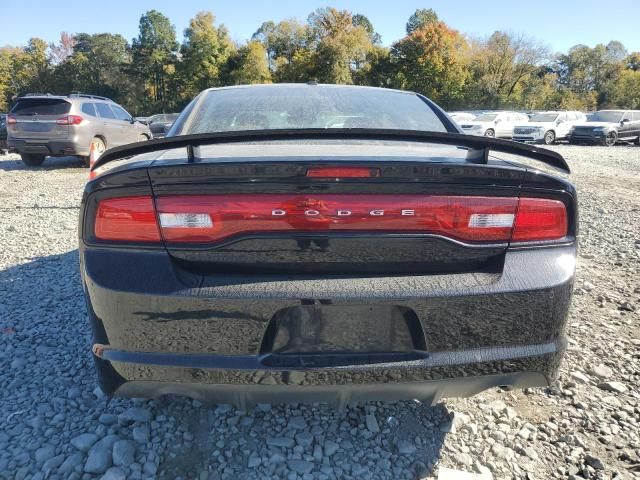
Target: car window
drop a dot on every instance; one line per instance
(636, 116)
(486, 117)
(120, 113)
(89, 109)
(41, 106)
(105, 111)
(304, 106)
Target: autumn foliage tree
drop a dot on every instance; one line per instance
(431, 60)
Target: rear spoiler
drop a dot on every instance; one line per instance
(478, 147)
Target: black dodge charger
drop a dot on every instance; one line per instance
(313, 242)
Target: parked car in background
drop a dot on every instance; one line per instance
(462, 116)
(161, 123)
(608, 127)
(63, 125)
(547, 127)
(293, 260)
(494, 124)
(3, 133)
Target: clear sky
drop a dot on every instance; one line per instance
(560, 24)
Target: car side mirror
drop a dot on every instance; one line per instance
(498, 120)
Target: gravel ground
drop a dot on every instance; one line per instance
(55, 423)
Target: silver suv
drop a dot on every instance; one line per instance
(57, 126)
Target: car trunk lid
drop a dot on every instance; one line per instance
(334, 207)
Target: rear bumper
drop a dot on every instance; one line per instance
(54, 148)
(247, 395)
(167, 331)
(588, 139)
(527, 138)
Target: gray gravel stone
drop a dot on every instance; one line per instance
(330, 448)
(70, 463)
(300, 466)
(372, 423)
(45, 453)
(297, 423)
(52, 464)
(84, 441)
(284, 442)
(134, 414)
(100, 456)
(602, 371)
(114, 473)
(616, 387)
(124, 452)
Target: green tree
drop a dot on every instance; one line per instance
(205, 53)
(7, 76)
(340, 47)
(420, 19)
(431, 60)
(626, 90)
(154, 57)
(34, 65)
(250, 65)
(592, 71)
(362, 21)
(283, 41)
(633, 61)
(500, 66)
(97, 65)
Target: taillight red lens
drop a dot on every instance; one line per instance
(70, 120)
(212, 218)
(11, 120)
(540, 219)
(127, 219)
(342, 172)
(215, 218)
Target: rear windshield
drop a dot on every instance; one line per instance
(41, 106)
(544, 117)
(610, 116)
(486, 117)
(309, 106)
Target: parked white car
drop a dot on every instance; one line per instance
(462, 116)
(494, 124)
(547, 127)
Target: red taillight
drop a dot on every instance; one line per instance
(213, 218)
(70, 120)
(127, 219)
(540, 219)
(342, 172)
(11, 120)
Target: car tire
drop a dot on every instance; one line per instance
(490, 133)
(99, 146)
(611, 139)
(637, 142)
(31, 159)
(549, 137)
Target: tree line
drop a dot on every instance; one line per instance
(155, 73)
